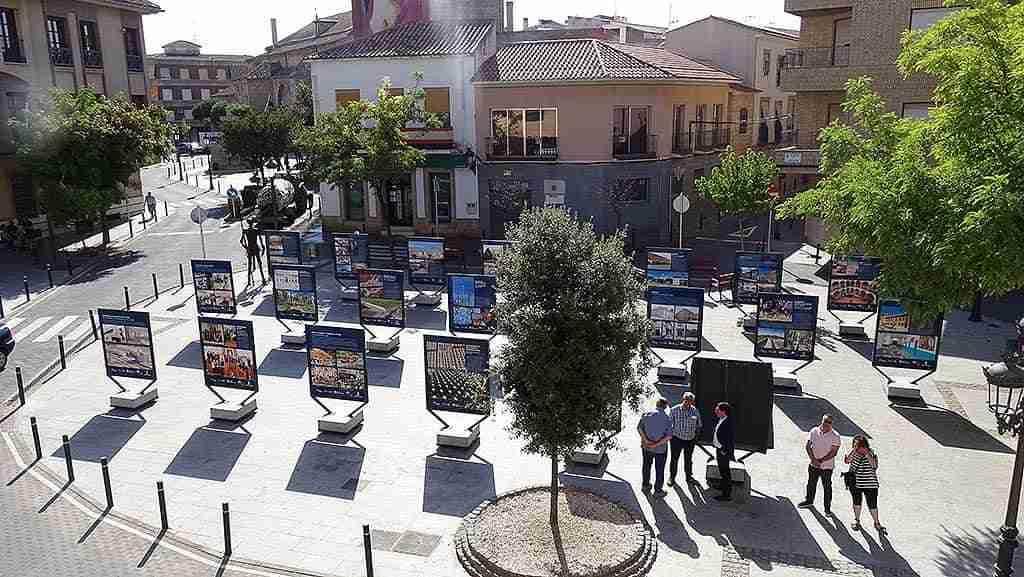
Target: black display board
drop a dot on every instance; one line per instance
(382, 297)
(215, 287)
(677, 314)
(127, 344)
(490, 251)
(905, 341)
(668, 267)
(853, 283)
(229, 353)
(426, 261)
(471, 300)
(295, 293)
(456, 374)
(756, 272)
(747, 387)
(786, 326)
(337, 363)
(283, 247)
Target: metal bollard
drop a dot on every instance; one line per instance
(92, 319)
(127, 302)
(21, 385)
(168, 173)
(63, 359)
(218, 187)
(162, 503)
(166, 210)
(817, 254)
(106, 482)
(156, 290)
(67, 458)
(227, 529)
(49, 274)
(28, 294)
(143, 222)
(35, 438)
(71, 267)
(181, 275)
(367, 548)
(131, 230)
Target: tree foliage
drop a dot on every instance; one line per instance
(739, 185)
(940, 199)
(83, 150)
(260, 137)
(577, 338)
(213, 112)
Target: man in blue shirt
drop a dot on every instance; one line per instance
(655, 430)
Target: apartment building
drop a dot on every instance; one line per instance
(182, 76)
(612, 131)
(755, 54)
(65, 44)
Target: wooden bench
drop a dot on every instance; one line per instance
(722, 282)
(703, 272)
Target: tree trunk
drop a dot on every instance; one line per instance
(976, 316)
(554, 489)
(106, 231)
(743, 245)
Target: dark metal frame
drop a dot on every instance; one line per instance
(103, 342)
(451, 304)
(234, 295)
(311, 270)
(309, 368)
(757, 327)
(252, 340)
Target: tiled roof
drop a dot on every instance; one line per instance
(328, 24)
(142, 6)
(416, 39)
(595, 60)
(774, 30)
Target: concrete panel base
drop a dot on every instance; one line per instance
(673, 373)
(749, 324)
(425, 300)
(738, 473)
(293, 339)
(133, 399)
(383, 345)
(852, 331)
(232, 411)
(340, 423)
(904, 390)
(785, 379)
(589, 456)
(462, 439)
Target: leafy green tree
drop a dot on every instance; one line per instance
(258, 138)
(83, 151)
(303, 103)
(577, 337)
(942, 199)
(739, 185)
(212, 112)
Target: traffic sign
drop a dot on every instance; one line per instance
(681, 204)
(198, 215)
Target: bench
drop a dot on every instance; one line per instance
(738, 473)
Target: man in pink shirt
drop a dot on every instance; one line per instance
(823, 444)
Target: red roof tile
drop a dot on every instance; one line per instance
(416, 39)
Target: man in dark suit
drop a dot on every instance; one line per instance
(725, 448)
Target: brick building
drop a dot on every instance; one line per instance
(182, 77)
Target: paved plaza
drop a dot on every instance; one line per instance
(299, 499)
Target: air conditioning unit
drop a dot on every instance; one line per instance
(554, 193)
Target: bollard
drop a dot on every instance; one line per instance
(168, 173)
(218, 187)
(28, 295)
(181, 275)
(49, 274)
(166, 210)
(227, 529)
(162, 503)
(63, 359)
(131, 231)
(70, 265)
(35, 438)
(369, 551)
(127, 302)
(817, 254)
(92, 319)
(67, 458)
(156, 290)
(193, 164)
(21, 385)
(106, 482)
(143, 222)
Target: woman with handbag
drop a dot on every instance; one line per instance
(862, 480)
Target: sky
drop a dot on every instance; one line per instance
(243, 26)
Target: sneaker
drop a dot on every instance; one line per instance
(659, 493)
(671, 482)
(828, 513)
(805, 504)
(647, 488)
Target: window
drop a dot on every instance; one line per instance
(343, 97)
(630, 130)
(917, 110)
(924, 18)
(680, 139)
(186, 94)
(133, 50)
(204, 93)
(396, 91)
(717, 111)
(436, 101)
(744, 120)
(222, 74)
(165, 73)
(635, 190)
(183, 73)
(441, 192)
(57, 37)
(167, 94)
(355, 202)
(204, 74)
(17, 101)
(780, 62)
(778, 109)
(766, 65)
(10, 43)
(841, 42)
(835, 112)
(524, 133)
(188, 114)
(766, 104)
(91, 55)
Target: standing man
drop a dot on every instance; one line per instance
(253, 249)
(686, 424)
(725, 449)
(151, 204)
(655, 430)
(822, 447)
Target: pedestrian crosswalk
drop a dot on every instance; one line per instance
(47, 329)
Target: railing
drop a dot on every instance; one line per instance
(134, 63)
(777, 131)
(544, 150)
(92, 58)
(711, 139)
(681, 143)
(61, 56)
(823, 57)
(14, 52)
(636, 146)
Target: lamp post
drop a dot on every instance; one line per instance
(1006, 402)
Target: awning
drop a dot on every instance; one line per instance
(449, 161)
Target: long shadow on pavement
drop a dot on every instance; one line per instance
(208, 454)
(328, 469)
(455, 487)
(806, 412)
(426, 318)
(284, 363)
(951, 430)
(384, 372)
(102, 437)
(190, 357)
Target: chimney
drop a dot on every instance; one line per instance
(526, 23)
(510, 23)
(273, 31)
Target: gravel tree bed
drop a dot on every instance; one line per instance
(512, 536)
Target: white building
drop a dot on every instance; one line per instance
(441, 198)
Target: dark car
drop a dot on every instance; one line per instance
(183, 148)
(6, 345)
(199, 149)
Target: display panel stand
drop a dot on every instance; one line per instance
(848, 330)
(232, 411)
(785, 376)
(737, 471)
(748, 322)
(458, 438)
(133, 400)
(903, 388)
(673, 373)
(424, 299)
(594, 455)
(337, 423)
(383, 345)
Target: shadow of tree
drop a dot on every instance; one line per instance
(971, 553)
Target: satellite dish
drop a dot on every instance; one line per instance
(681, 204)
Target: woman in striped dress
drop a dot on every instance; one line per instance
(864, 468)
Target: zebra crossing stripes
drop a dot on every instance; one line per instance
(47, 329)
(55, 329)
(11, 323)
(79, 332)
(22, 333)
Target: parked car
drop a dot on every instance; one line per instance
(199, 148)
(183, 148)
(6, 345)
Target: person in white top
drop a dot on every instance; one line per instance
(822, 447)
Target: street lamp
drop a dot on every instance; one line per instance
(1006, 402)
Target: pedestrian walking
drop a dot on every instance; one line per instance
(686, 425)
(253, 245)
(151, 204)
(725, 448)
(822, 446)
(655, 430)
(863, 481)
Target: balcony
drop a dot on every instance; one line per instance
(544, 150)
(637, 146)
(134, 63)
(61, 56)
(773, 132)
(14, 52)
(823, 57)
(92, 58)
(430, 138)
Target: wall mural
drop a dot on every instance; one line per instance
(369, 16)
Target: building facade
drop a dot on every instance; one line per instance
(441, 198)
(65, 44)
(612, 131)
(182, 76)
(754, 53)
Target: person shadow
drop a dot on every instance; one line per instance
(880, 556)
(671, 531)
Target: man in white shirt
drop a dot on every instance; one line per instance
(823, 444)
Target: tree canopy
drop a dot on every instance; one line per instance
(212, 112)
(260, 137)
(941, 199)
(739, 185)
(83, 150)
(577, 337)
